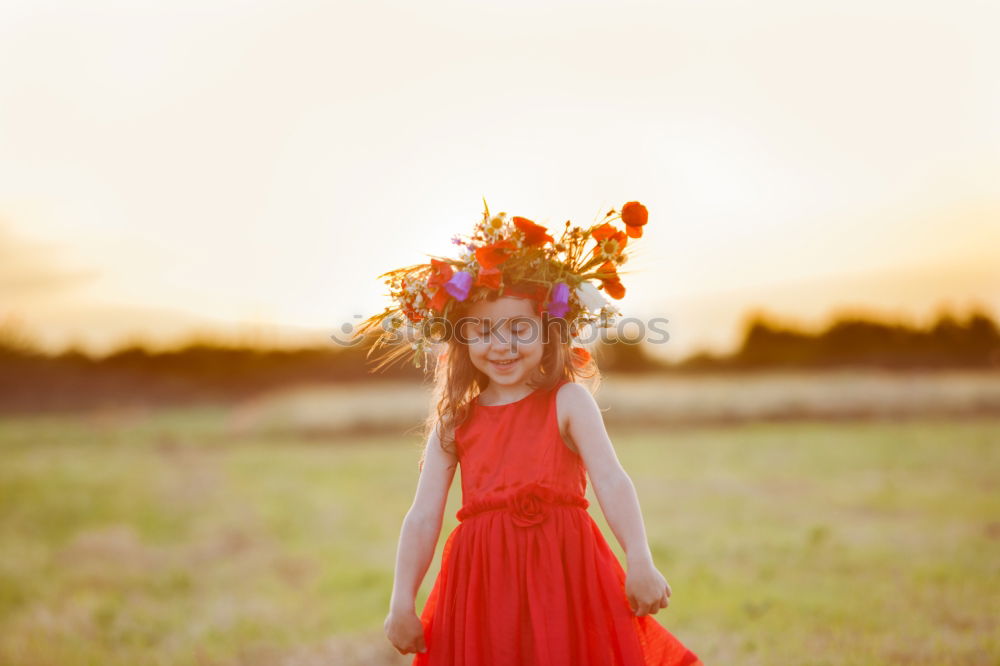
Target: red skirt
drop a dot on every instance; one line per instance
(537, 589)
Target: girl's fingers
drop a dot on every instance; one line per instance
(640, 609)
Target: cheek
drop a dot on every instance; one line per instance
(478, 350)
(533, 350)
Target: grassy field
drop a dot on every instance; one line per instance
(655, 400)
(162, 538)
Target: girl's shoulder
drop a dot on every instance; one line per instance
(572, 401)
(445, 430)
(573, 392)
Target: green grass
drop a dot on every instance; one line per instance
(160, 539)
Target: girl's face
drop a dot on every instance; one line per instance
(504, 338)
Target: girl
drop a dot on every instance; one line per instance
(526, 577)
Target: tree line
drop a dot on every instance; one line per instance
(206, 371)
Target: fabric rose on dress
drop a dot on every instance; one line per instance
(528, 505)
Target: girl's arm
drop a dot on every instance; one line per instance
(648, 590)
(422, 524)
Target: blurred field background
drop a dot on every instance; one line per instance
(196, 199)
(839, 517)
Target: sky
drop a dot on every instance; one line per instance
(249, 168)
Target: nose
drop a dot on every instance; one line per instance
(503, 340)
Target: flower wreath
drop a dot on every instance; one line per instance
(502, 256)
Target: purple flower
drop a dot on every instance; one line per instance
(458, 286)
(559, 304)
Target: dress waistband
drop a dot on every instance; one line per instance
(527, 505)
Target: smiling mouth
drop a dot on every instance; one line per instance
(505, 364)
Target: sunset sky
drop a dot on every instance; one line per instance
(233, 166)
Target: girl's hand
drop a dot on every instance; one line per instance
(647, 590)
(405, 631)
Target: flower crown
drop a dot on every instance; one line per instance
(514, 257)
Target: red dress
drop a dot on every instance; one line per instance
(527, 578)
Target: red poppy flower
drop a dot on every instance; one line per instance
(612, 284)
(634, 215)
(491, 256)
(608, 270)
(615, 289)
(489, 277)
(605, 233)
(440, 299)
(534, 234)
(580, 357)
(441, 272)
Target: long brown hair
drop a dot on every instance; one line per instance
(457, 381)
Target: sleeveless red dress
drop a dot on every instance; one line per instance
(527, 578)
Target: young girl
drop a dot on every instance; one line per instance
(527, 577)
